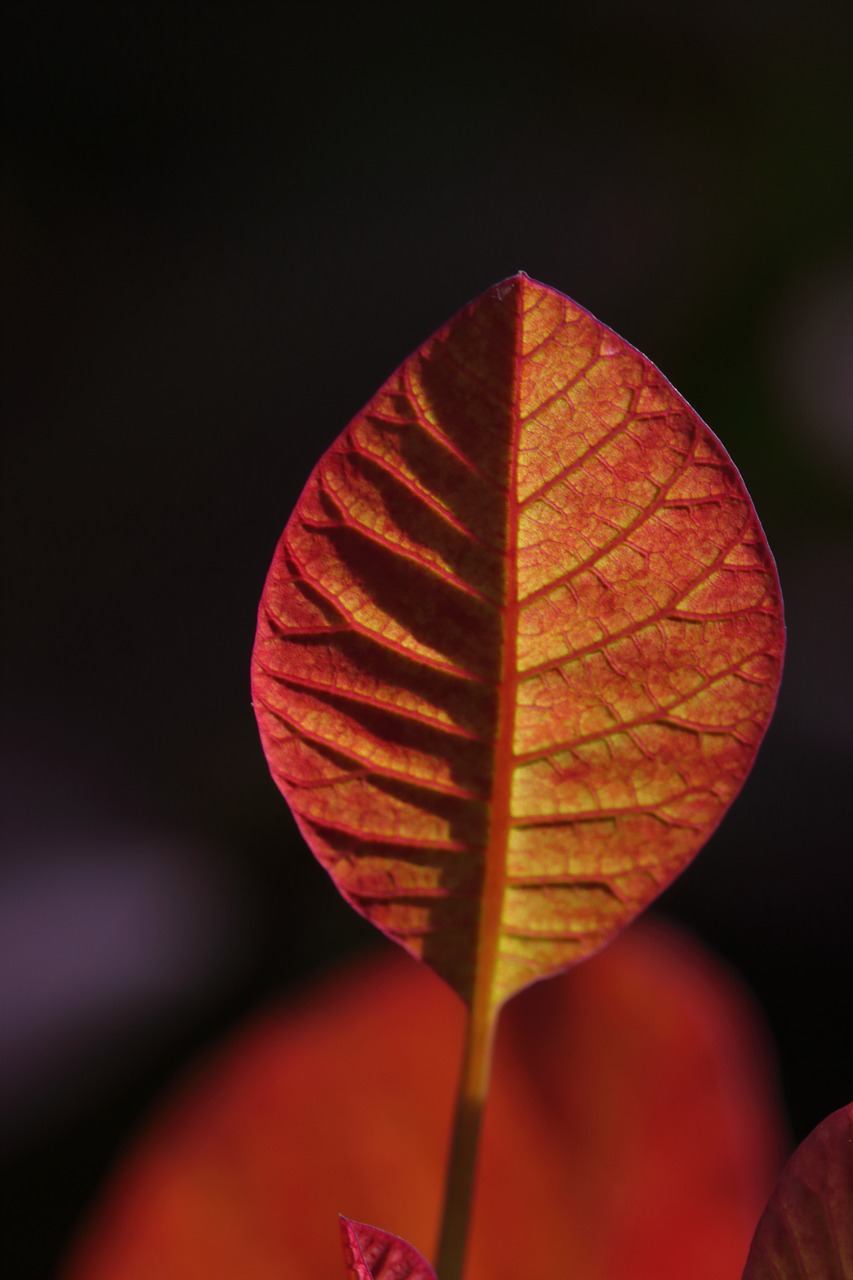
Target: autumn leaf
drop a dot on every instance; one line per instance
(806, 1231)
(374, 1254)
(633, 1130)
(518, 646)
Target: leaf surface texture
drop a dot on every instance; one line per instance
(374, 1254)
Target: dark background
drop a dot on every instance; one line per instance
(224, 226)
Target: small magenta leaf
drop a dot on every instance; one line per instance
(806, 1231)
(373, 1254)
(519, 644)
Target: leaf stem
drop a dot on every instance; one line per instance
(462, 1167)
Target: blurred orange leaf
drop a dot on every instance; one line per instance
(632, 1131)
(519, 643)
(806, 1231)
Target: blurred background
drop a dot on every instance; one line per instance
(224, 226)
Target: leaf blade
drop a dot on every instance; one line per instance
(519, 644)
(807, 1228)
(373, 1254)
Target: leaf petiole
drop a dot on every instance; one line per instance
(465, 1140)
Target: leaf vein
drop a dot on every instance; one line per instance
(417, 656)
(363, 699)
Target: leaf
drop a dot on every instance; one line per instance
(374, 1254)
(633, 1130)
(518, 645)
(806, 1231)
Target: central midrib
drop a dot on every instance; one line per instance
(485, 1001)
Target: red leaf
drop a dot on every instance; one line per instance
(374, 1254)
(519, 643)
(632, 1131)
(806, 1231)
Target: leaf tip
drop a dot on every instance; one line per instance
(373, 1254)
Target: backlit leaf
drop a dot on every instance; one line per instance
(373, 1254)
(806, 1231)
(519, 643)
